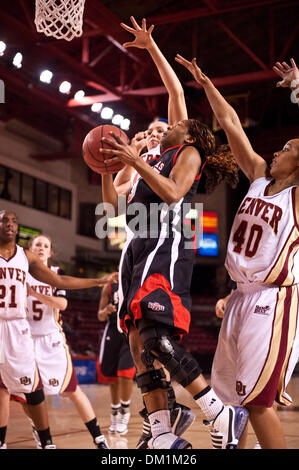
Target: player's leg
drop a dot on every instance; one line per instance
(37, 410)
(181, 417)
(153, 385)
(21, 363)
(126, 390)
(126, 371)
(159, 343)
(111, 345)
(87, 414)
(267, 427)
(27, 413)
(4, 414)
(115, 405)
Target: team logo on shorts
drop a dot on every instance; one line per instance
(54, 345)
(240, 388)
(262, 310)
(25, 380)
(156, 306)
(53, 382)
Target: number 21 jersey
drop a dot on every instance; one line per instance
(13, 290)
(264, 241)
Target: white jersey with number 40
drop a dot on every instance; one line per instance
(264, 240)
(43, 319)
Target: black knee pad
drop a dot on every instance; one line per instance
(35, 398)
(158, 344)
(152, 380)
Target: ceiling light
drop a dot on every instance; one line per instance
(117, 119)
(2, 47)
(79, 95)
(96, 107)
(65, 87)
(125, 124)
(107, 113)
(46, 76)
(17, 60)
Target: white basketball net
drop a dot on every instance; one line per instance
(62, 19)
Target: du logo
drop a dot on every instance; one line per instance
(2, 92)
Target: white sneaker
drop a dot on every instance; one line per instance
(228, 427)
(168, 441)
(101, 442)
(36, 438)
(50, 446)
(113, 423)
(257, 445)
(122, 423)
(3, 446)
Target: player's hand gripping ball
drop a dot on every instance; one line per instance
(92, 145)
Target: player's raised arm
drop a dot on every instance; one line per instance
(252, 164)
(143, 39)
(44, 274)
(289, 75)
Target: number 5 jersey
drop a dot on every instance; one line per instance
(264, 242)
(43, 319)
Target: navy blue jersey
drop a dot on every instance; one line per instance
(156, 268)
(157, 211)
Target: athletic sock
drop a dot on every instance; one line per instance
(209, 403)
(125, 406)
(45, 437)
(3, 430)
(160, 422)
(93, 427)
(115, 409)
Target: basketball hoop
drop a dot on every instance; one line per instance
(62, 19)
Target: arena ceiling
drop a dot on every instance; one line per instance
(236, 42)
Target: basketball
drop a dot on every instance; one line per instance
(92, 145)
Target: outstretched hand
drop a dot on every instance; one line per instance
(143, 38)
(111, 278)
(192, 66)
(287, 73)
(126, 153)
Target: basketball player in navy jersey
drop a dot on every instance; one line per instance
(17, 356)
(127, 179)
(260, 326)
(155, 275)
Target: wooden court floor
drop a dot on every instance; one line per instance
(69, 432)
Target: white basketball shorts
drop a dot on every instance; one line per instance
(54, 363)
(258, 346)
(18, 367)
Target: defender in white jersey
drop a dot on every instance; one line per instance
(52, 352)
(259, 339)
(18, 368)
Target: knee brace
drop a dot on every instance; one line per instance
(158, 344)
(35, 398)
(152, 380)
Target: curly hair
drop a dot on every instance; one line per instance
(220, 162)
